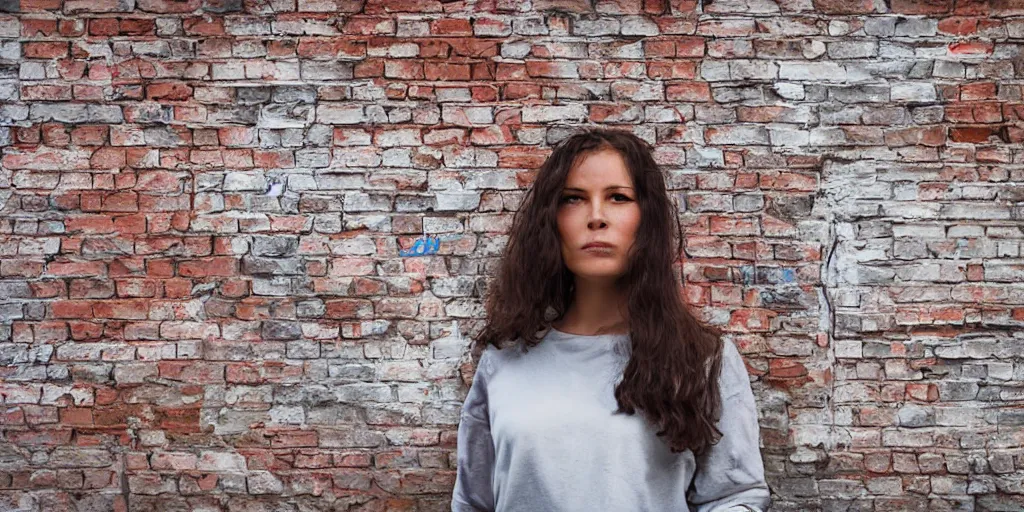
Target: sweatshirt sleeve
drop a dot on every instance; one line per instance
(475, 450)
(730, 475)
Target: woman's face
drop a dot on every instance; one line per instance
(598, 204)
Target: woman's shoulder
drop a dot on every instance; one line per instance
(729, 350)
(487, 358)
(510, 353)
(494, 357)
(734, 377)
(486, 361)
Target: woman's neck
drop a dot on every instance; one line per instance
(595, 309)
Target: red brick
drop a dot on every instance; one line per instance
(690, 92)
(104, 27)
(47, 289)
(55, 135)
(130, 224)
(369, 68)
(348, 308)
(575, 6)
(971, 48)
(70, 268)
(922, 392)
(520, 91)
(958, 26)
(978, 91)
(203, 26)
(521, 157)
(279, 48)
(45, 50)
(137, 26)
(784, 368)
(932, 136)
(89, 135)
(46, 92)
(169, 91)
(90, 224)
(168, 6)
(751, 320)
(404, 69)
(672, 71)
(366, 25)
(976, 135)
(416, 6)
(40, 5)
(126, 309)
(844, 6)
(46, 159)
(789, 181)
(75, 416)
(451, 27)
(734, 226)
(28, 134)
(108, 158)
(473, 47)
(446, 71)
(204, 267)
(922, 6)
(71, 309)
(38, 27)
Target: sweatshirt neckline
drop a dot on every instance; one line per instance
(562, 335)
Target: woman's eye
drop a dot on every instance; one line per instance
(621, 197)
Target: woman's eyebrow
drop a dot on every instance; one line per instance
(606, 188)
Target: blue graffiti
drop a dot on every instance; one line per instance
(752, 275)
(424, 246)
(788, 275)
(747, 274)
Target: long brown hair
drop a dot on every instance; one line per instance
(675, 360)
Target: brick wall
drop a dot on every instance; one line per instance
(209, 292)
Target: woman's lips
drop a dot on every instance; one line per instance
(598, 249)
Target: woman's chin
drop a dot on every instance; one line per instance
(599, 272)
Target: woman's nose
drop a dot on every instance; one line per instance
(597, 218)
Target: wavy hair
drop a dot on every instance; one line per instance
(675, 360)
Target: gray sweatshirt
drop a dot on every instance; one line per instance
(537, 434)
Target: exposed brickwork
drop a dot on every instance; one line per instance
(205, 204)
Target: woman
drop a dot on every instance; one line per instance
(588, 293)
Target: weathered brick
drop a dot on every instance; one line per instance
(207, 200)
